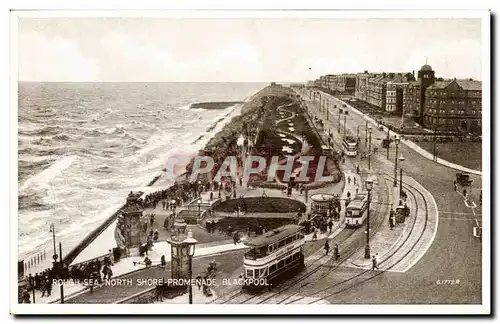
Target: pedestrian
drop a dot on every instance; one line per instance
(348, 194)
(330, 225)
(357, 169)
(147, 262)
(48, 285)
(236, 237)
(155, 235)
(336, 251)
(163, 203)
(465, 193)
(349, 180)
(327, 247)
(374, 263)
(354, 179)
(315, 234)
(151, 219)
(357, 189)
(391, 220)
(211, 195)
(198, 281)
(44, 286)
(26, 297)
(163, 262)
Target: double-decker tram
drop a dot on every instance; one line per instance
(350, 145)
(355, 212)
(275, 255)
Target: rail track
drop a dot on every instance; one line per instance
(349, 249)
(345, 283)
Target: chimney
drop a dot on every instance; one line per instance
(413, 73)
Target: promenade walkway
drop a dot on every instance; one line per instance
(398, 249)
(406, 142)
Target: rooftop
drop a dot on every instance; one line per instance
(425, 68)
(274, 235)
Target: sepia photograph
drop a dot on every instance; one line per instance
(281, 162)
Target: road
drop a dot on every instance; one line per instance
(454, 255)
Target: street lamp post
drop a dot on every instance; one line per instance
(340, 112)
(388, 143)
(190, 241)
(369, 187)
(366, 132)
(395, 184)
(369, 147)
(53, 231)
(401, 160)
(61, 267)
(199, 207)
(327, 109)
(345, 118)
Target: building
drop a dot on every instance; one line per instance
(444, 105)
(361, 88)
(453, 106)
(346, 83)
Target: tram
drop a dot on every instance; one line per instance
(274, 256)
(355, 212)
(350, 145)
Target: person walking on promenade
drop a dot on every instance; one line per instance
(330, 225)
(152, 219)
(327, 247)
(348, 180)
(455, 185)
(374, 263)
(198, 281)
(357, 169)
(391, 220)
(336, 251)
(236, 237)
(315, 234)
(155, 235)
(163, 262)
(26, 297)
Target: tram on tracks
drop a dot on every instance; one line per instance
(355, 211)
(274, 256)
(350, 145)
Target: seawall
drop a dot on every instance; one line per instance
(70, 257)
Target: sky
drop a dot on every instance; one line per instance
(241, 50)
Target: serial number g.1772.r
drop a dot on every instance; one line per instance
(447, 281)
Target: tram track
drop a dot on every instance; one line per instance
(363, 280)
(351, 248)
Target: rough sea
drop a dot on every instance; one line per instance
(83, 146)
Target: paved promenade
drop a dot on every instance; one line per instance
(406, 142)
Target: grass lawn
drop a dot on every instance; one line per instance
(467, 154)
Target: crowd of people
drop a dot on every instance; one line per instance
(96, 269)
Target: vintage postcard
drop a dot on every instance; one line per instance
(250, 162)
